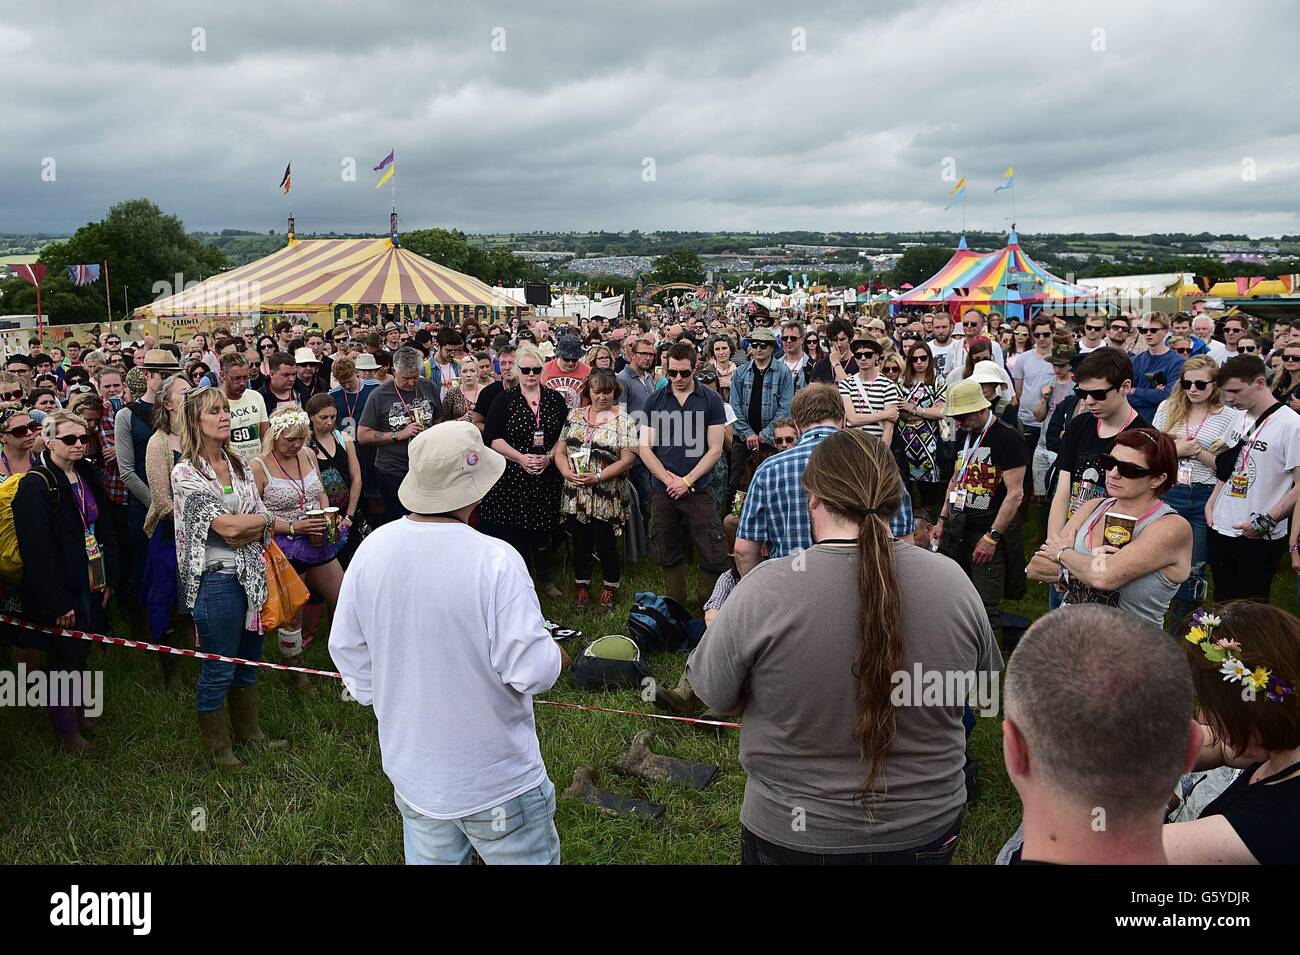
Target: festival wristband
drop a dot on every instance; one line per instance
(989, 540)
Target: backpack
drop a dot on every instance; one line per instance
(610, 663)
(657, 623)
(11, 559)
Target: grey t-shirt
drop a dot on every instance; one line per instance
(783, 648)
(1034, 373)
(387, 411)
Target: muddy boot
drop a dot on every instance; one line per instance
(171, 673)
(675, 583)
(243, 718)
(640, 762)
(680, 701)
(583, 789)
(704, 587)
(67, 729)
(216, 739)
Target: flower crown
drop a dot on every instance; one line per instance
(289, 421)
(1227, 655)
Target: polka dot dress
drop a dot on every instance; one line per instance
(520, 499)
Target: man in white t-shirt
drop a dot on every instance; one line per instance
(248, 418)
(1252, 506)
(943, 344)
(1094, 331)
(453, 690)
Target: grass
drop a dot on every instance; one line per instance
(141, 798)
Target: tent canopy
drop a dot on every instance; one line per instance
(973, 279)
(312, 275)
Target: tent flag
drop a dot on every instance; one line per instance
(83, 274)
(388, 175)
(287, 182)
(31, 274)
(386, 161)
(1008, 179)
(957, 193)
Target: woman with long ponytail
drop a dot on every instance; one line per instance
(828, 654)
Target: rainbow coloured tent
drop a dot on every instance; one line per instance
(316, 275)
(1005, 277)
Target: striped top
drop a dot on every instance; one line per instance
(870, 398)
(1215, 427)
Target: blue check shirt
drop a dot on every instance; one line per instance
(776, 506)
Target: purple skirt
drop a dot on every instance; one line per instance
(303, 553)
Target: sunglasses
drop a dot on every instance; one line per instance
(1151, 331)
(760, 344)
(784, 442)
(1188, 351)
(865, 354)
(11, 396)
(788, 338)
(1198, 385)
(920, 358)
(680, 372)
(1119, 328)
(1126, 469)
(1095, 328)
(1249, 349)
(71, 439)
(528, 371)
(1096, 394)
(970, 324)
(22, 430)
(1291, 357)
(1043, 334)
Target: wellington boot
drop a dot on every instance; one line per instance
(67, 729)
(171, 671)
(640, 762)
(244, 720)
(675, 583)
(298, 681)
(680, 701)
(584, 789)
(215, 729)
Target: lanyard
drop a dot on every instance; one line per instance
(537, 411)
(79, 490)
(1104, 507)
(402, 398)
(967, 449)
(1191, 435)
(350, 406)
(299, 483)
(1127, 421)
(1244, 458)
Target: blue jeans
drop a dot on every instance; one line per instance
(520, 831)
(219, 611)
(1189, 501)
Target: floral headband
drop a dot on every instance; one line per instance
(289, 421)
(1226, 654)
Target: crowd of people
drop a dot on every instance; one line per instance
(855, 496)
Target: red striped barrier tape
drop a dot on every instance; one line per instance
(219, 658)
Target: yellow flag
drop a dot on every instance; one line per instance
(387, 176)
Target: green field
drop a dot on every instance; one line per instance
(326, 799)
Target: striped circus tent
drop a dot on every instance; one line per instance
(1007, 275)
(315, 275)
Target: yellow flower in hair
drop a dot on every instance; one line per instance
(1196, 635)
(1259, 678)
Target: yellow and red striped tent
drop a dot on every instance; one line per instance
(314, 275)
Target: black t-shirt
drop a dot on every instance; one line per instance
(754, 413)
(1001, 449)
(1266, 817)
(1081, 448)
(300, 396)
(822, 371)
(489, 394)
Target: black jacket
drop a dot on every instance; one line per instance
(53, 543)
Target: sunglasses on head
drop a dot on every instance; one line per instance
(680, 372)
(1127, 469)
(1188, 384)
(71, 439)
(1096, 394)
(23, 430)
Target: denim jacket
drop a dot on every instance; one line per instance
(778, 392)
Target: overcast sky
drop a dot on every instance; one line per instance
(1118, 116)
